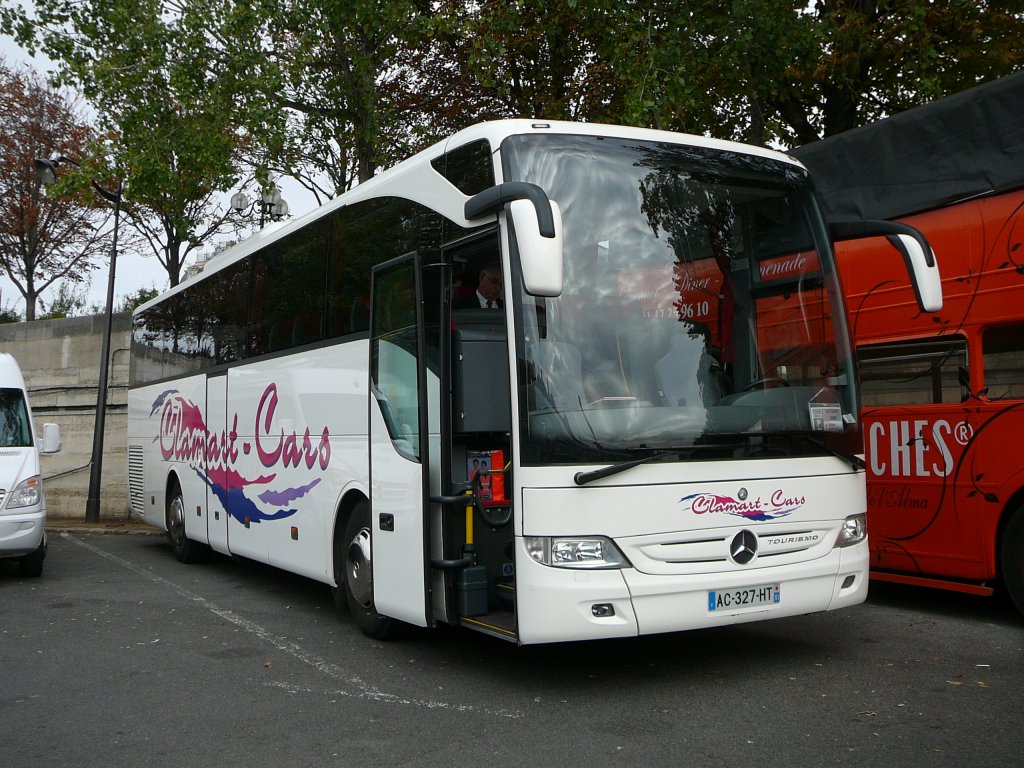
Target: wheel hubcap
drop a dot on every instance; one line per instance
(357, 568)
(176, 520)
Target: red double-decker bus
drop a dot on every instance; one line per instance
(942, 393)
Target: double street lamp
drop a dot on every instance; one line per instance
(46, 170)
(272, 206)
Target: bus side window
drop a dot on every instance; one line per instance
(1003, 355)
(922, 372)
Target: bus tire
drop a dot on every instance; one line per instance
(185, 550)
(339, 593)
(357, 573)
(1011, 558)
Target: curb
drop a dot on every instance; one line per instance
(117, 527)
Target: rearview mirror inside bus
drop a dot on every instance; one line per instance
(917, 254)
(540, 256)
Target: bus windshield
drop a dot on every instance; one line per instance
(700, 308)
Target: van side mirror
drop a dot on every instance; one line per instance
(51, 439)
(538, 227)
(912, 245)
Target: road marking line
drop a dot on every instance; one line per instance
(364, 689)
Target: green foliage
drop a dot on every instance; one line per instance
(781, 71)
(139, 297)
(9, 315)
(70, 301)
(191, 92)
(180, 93)
(345, 69)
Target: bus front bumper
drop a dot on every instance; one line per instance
(555, 604)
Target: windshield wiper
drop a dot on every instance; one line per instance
(582, 478)
(856, 462)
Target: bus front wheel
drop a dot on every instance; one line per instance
(1012, 558)
(357, 572)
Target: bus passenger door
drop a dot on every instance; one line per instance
(216, 423)
(404, 426)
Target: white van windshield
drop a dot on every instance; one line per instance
(14, 426)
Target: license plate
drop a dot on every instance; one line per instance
(743, 597)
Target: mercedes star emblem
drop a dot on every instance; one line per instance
(743, 547)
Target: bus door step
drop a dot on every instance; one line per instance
(505, 593)
(499, 623)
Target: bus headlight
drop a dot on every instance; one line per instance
(854, 531)
(577, 552)
(25, 495)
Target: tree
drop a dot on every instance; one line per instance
(178, 89)
(70, 301)
(132, 300)
(344, 66)
(787, 72)
(8, 314)
(44, 238)
(780, 71)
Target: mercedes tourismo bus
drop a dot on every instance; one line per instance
(655, 429)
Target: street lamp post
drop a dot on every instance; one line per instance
(272, 205)
(47, 173)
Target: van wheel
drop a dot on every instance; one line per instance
(1011, 558)
(357, 572)
(186, 550)
(31, 566)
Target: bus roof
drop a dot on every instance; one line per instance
(963, 146)
(406, 180)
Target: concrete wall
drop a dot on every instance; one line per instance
(60, 362)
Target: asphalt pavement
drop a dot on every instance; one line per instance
(120, 656)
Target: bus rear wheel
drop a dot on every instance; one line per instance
(1011, 558)
(357, 572)
(186, 550)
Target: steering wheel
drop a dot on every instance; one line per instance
(763, 383)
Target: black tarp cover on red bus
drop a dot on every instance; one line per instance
(963, 146)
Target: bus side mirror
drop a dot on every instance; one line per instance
(912, 245)
(538, 226)
(51, 439)
(539, 256)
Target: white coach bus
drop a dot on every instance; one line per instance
(656, 427)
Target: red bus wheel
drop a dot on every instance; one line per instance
(1011, 557)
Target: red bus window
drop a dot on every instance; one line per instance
(913, 373)
(1003, 352)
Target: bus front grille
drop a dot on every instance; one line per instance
(695, 552)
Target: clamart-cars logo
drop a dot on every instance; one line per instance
(779, 504)
(214, 456)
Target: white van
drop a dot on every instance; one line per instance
(22, 504)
